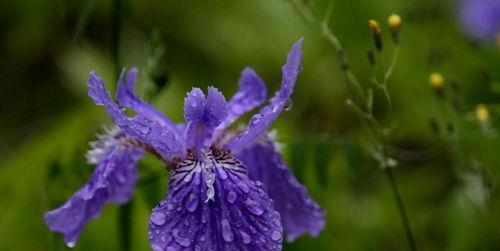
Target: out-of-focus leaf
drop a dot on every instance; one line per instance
(354, 156)
(322, 155)
(298, 158)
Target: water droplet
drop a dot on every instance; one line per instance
(227, 233)
(70, 244)
(158, 218)
(245, 237)
(253, 207)
(288, 104)
(202, 238)
(231, 197)
(192, 202)
(244, 187)
(194, 104)
(255, 119)
(170, 207)
(185, 242)
(276, 236)
(222, 173)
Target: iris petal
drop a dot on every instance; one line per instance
(203, 115)
(112, 181)
(140, 127)
(252, 92)
(240, 216)
(299, 212)
(261, 121)
(126, 96)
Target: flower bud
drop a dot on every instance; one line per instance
(394, 22)
(482, 113)
(377, 33)
(436, 80)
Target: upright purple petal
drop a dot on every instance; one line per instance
(299, 213)
(112, 181)
(203, 115)
(140, 127)
(261, 121)
(212, 205)
(252, 92)
(126, 96)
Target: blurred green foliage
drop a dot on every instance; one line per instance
(448, 181)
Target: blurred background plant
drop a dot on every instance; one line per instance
(443, 123)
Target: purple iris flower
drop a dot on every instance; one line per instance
(481, 18)
(229, 189)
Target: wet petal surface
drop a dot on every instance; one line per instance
(126, 96)
(299, 212)
(212, 205)
(112, 181)
(252, 92)
(261, 121)
(203, 115)
(140, 127)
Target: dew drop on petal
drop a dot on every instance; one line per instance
(192, 202)
(158, 218)
(253, 207)
(227, 233)
(245, 237)
(231, 197)
(244, 187)
(276, 236)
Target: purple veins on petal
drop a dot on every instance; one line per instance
(299, 213)
(112, 181)
(261, 121)
(140, 127)
(239, 217)
(203, 115)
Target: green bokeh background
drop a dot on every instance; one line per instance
(448, 182)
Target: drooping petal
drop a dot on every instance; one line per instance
(261, 121)
(112, 181)
(203, 115)
(299, 212)
(252, 92)
(149, 132)
(126, 96)
(212, 205)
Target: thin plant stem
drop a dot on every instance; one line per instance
(116, 23)
(401, 207)
(125, 226)
(125, 212)
(366, 118)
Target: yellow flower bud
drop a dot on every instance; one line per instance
(394, 22)
(377, 33)
(374, 26)
(482, 113)
(436, 80)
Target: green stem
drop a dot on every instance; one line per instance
(125, 211)
(116, 22)
(401, 208)
(125, 226)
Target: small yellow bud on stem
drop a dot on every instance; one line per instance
(377, 33)
(482, 113)
(436, 80)
(394, 22)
